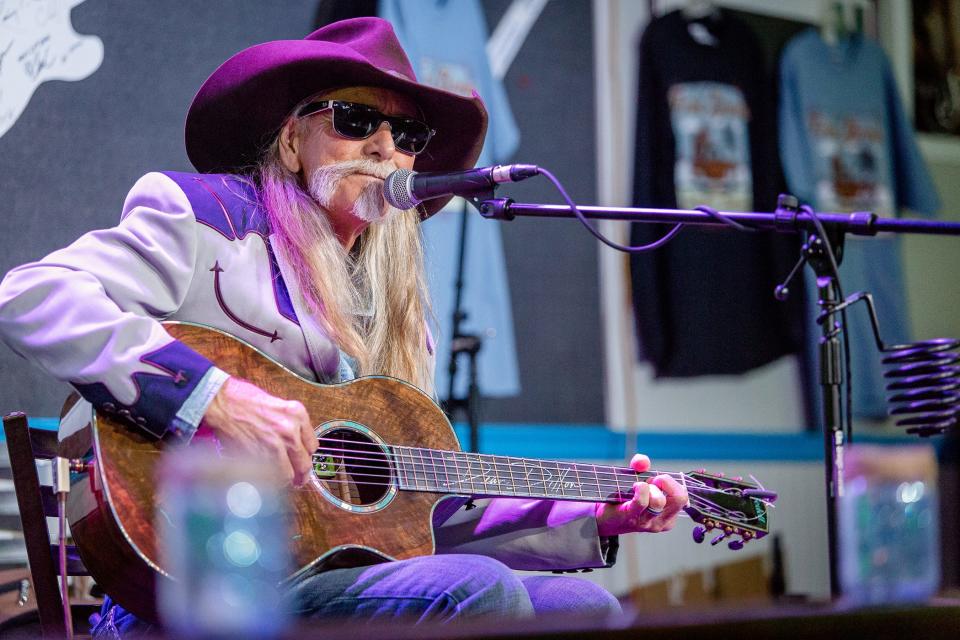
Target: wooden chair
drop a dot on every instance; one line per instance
(37, 502)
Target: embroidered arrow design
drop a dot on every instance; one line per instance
(217, 270)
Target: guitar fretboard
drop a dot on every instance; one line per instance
(478, 474)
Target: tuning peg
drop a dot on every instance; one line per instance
(699, 533)
(735, 545)
(737, 478)
(766, 496)
(718, 539)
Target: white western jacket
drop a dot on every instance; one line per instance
(196, 247)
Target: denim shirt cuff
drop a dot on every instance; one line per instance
(187, 420)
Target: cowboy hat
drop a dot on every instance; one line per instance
(241, 106)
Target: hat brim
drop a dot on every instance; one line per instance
(241, 106)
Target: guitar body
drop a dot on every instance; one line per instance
(112, 513)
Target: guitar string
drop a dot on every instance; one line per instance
(404, 456)
(424, 477)
(426, 469)
(398, 450)
(615, 472)
(411, 450)
(401, 461)
(429, 485)
(478, 492)
(626, 496)
(704, 507)
(605, 491)
(626, 475)
(704, 503)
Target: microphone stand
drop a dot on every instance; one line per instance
(788, 218)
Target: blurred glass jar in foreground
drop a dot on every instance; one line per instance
(889, 526)
(224, 539)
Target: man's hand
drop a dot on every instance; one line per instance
(653, 507)
(248, 420)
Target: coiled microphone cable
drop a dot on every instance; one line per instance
(923, 378)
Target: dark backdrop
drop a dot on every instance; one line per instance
(67, 163)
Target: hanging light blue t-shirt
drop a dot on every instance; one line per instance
(846, 145)
(446, 42)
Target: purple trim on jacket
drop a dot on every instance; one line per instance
(280, 293)
(225, 203)
(229, 205)
(159, 396)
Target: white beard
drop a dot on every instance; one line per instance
(370, 207)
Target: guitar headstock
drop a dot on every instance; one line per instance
(735, 509)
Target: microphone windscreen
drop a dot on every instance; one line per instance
(396, 189)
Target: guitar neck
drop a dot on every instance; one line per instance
(475, 474)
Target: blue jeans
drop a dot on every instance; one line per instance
(441, 588)
(444, 588)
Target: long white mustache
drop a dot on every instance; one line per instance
(369, 205)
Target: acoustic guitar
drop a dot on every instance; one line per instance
(387, 456)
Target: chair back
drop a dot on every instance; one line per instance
(37, 502)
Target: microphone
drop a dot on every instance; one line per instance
(404, 189)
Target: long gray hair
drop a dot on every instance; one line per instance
(372, 300)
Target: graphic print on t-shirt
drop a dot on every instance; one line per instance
(712, 167)
(850, 162)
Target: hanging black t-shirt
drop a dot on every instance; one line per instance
(704, 303)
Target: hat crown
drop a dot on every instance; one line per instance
(371, 38)
(240, 108)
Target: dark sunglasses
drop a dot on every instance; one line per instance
(359, 121)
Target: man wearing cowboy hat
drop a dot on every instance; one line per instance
(285, 241)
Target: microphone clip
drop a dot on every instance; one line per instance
(493, 208)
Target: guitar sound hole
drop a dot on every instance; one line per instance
(352, 468)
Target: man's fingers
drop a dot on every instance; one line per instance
(285, 462)
(641, 498)
(676, 493)
(657, 501)
(289, 474)
(247, 419)
(300, 461)
(639, 462)
(307, 434)
(293, 425)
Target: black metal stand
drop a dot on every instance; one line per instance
(462, 344)
(817, 254)
(831, 379)
(788, 218)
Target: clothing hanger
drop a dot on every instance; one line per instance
(700, 16)
(834, 27)
(700, 10)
